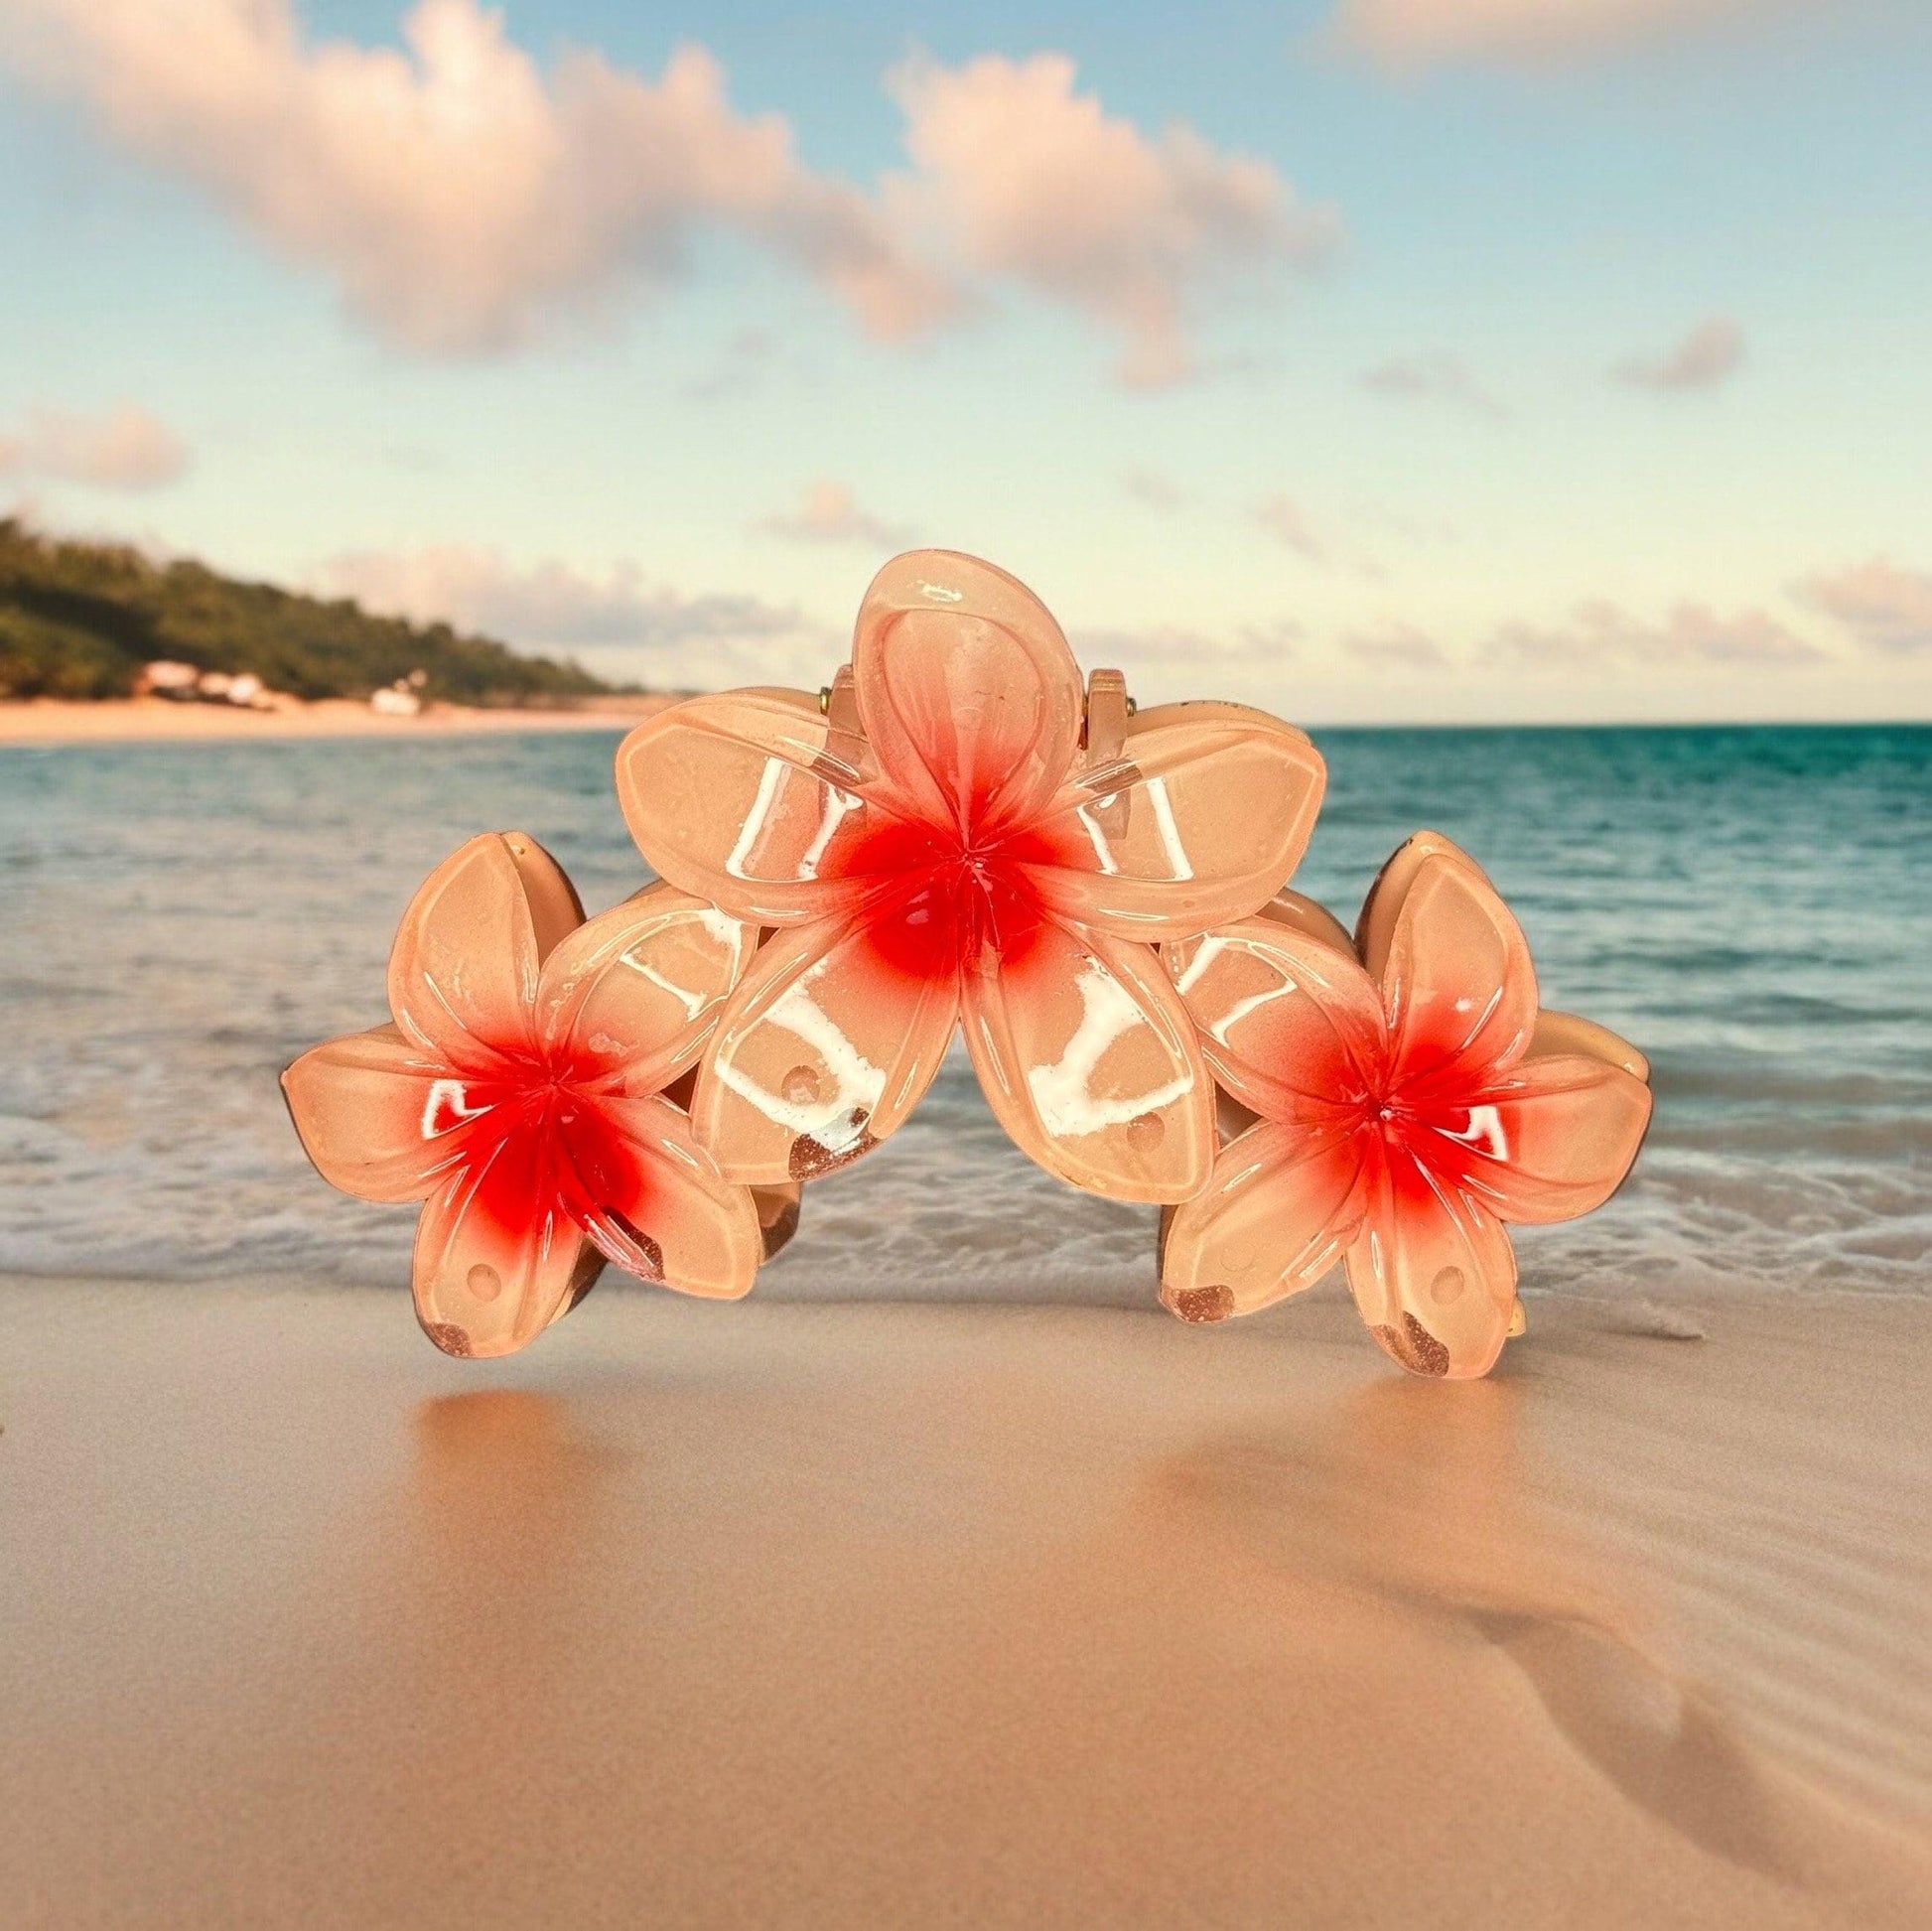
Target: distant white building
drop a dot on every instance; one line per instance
(186, 685)
(166, 678)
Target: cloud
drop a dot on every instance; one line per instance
(1159, 652)
(1602, 635)
(1713, 352)
(1282, 520)
(465, 198)
(1438, 376)
(1152, 491)
(125, 449)
(460, 197)
(1024, 179)
(829, 512)
(667, 633)
(1886, 608)
(1407, 35)
(1396, 648)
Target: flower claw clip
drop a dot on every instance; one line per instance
(958, 832)
(1397, 1099)
(519, 1095)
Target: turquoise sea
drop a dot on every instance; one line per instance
(1753, 906)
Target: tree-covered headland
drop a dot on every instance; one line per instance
(80, 621)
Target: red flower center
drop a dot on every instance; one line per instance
(1430, 1120)
(949, 898)
(539, 1141)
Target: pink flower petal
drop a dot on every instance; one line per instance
(1431, 1272)
(822, 1053)
(1203, 815)
(966, 689)
(498, 1259)
(462, 975)
(1458, 984)
(1302, 914)
(744, 799)
(664, 1213)
(1375, 928)
(1564, 1032)
(1291, 1024)
(378, 1113)
(1550, 1138)
(637, 991)
(1281, 1208)
(1088, 1060)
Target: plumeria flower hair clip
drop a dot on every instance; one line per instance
(1408, 1098)
(957, 832)
(519, 1095)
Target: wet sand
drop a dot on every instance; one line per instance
(124, 719)
(924, 1614)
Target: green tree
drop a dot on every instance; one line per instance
(80, 619)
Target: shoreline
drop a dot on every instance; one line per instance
(60, 721)
(918, 1613)
(137, 720)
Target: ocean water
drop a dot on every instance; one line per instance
(1752, 906)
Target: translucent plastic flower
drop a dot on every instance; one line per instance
(1411, 1100)
(518, 1095)
(943, 840)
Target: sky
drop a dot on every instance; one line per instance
(1374, 360)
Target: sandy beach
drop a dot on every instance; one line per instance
(917, 1614)
(122, 720)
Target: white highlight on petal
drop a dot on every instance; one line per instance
(1163, 821)
(727, 931)
(859, 1082)
(747, 835)
(1484, 1130)
(1103, 853)
(693, 1003)
(1062, 1092)
(1210, 950)
(838, 806)
(448, 1097)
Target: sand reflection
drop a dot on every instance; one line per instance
(488, 1553)
(500, 1475)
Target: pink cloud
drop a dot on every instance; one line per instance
(829, 512)
(548, 605)
(1286, 522)
(463, 198)
(460, 196)
(1397, 648)
(125, 449)
(1600, 635)
(1023, 178)
(1436, 376)
(1156, 651)
(1886, 608)
(1710, 353)
(1404, 35)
